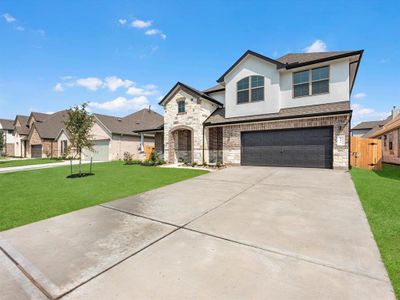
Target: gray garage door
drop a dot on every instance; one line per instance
(304, 147)
(36, 151)
(100, 151)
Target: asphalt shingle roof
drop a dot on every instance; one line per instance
(218, 117)
(141, 120)
(50, 127)
(23, 129)
(371, 124)
(7, 124)
(300, 58)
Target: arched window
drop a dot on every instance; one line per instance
(250, 89)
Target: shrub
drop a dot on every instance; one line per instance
(127, 158)
(194, 164)
(136, 162)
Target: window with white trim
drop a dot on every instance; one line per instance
(311, 82)
(250, 89)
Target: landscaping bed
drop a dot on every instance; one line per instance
(31, 196)
(379, 192)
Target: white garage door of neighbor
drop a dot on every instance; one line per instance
(100, 151)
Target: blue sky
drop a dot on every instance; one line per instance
(123, 55)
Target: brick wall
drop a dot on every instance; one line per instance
(159, 142)
(232, 136)
(215, 144)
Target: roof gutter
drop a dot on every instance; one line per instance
(316, 61)
(280, 118)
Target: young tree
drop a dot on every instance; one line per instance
(79, 124)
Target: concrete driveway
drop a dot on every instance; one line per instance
(240, 233)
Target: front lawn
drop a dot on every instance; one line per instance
(30, 196)
(26, 162)
(379, 192)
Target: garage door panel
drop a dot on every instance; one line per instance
(36, 151)
(307, 147)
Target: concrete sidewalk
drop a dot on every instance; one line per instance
(42, 166)
(240, 233)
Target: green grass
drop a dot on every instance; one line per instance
(30, 196)
(26, 162)
(379, 192)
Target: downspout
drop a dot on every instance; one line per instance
(349, 141)
(203, 144)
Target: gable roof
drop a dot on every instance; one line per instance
(40, 117)
(50, 127)
(371, 124)
(130, 124)
(218, 116)
(388, 127)
(7, 124)
(252, 53)
(189, 89)
(23, 120)
(296, 60)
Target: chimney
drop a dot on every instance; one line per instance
(395, 112)
(149, 107)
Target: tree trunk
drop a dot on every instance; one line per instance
(80, 162)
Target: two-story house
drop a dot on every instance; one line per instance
(292, 111)
(7, 130)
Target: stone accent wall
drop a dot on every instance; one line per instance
(197, 110)
(340, 123)
(34, 139)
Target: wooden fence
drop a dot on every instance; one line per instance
(366, 153)
(148, 150)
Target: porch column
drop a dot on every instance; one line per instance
(141, 142)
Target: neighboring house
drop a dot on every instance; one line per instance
(21, 135)
(390, 136)
(292, 111)
(114, 135)
(7, 130)
(43, 131)
(364, 128)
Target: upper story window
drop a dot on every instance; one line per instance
(250, 89)
(311, 82)
(181, 106)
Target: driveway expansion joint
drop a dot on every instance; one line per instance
(27, 275)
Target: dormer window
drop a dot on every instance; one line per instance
(250, 89)
(311, 82)
(181, 106)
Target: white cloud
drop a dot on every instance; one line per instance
(360, 95)
(361, 113)
(156, 32)
(58, 87)
(317, 46)
(121, 104)
(141, 24)
(122, 21)
(113, 83)
(91, 83)
(135, 91)
(9, 18)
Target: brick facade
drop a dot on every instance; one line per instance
(49, 147)
(340, 124)
(159, 142)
